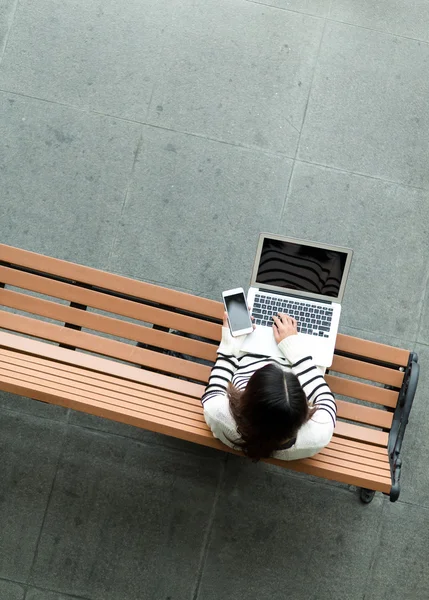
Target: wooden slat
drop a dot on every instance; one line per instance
(357, 368)
(359, 447)
(362, 391)
(352, 455)
(113, 412)
(109, 325)
(185, 429)
(113, 393)
(100, 381)
(362, 466)
(147, 400)
(110, 304)
(103, 346)
(355, 454)
(143, 408)
(104, 383)
(364, 414)
(363, 460)
(361, 434)
(116, 283)
(374, 350)
(201, 435)
(312, 466)
(98, 364)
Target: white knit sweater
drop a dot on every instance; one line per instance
(235, 366)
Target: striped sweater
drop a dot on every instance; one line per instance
(235, 366)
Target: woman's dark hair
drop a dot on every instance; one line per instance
(269, 411)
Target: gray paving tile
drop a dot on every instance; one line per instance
(385, 225)
(7, 10)
(423, 333)
(125, 520)
(11, 591)
(401, 569)
(29, 449)
(100, 56)
(319, 8)
(141, 435)
(415, 449)
(275, 534)
(367, 109)
(20, 404)
(37, 594)
(194, 212)
(243, 75)
(64, 175)
(402, 18)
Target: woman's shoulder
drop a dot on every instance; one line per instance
(217, 405)
(316, 432)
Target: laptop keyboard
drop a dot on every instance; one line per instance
(311, 319)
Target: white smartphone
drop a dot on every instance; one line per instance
(238, 313)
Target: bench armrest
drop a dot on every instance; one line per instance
(400, 421)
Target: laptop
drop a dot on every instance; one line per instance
(305, 280)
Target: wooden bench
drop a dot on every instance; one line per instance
(108, 345)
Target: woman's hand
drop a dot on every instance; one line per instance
(283, 327)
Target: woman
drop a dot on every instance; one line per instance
(280, 407)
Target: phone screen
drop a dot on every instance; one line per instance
(238, 314)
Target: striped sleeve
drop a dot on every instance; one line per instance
(312, 382)
(221, 374)
(224, 368)
(315, 387)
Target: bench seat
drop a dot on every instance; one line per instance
(126, 350)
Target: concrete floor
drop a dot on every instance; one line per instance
(157, 139)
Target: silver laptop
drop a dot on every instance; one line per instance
(305, 280)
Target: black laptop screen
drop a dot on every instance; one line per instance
(301, 267)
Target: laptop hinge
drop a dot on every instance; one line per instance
(276, 293)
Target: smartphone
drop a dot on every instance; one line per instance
(237, 311)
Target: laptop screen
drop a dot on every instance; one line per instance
(296, 266)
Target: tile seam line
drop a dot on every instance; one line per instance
(48, 501)
(136, 153)
(6, 39)
(257, 150)
(423, 344)
(208, 532)
(66, 595)
(273, 153)
(414, 504)
(357, 174)
(291, 10)
(389, 33)
(374, 552)
(424, 298)
(298, 143)
(12, 581)
(329, 18)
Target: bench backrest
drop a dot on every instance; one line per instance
(134, 322)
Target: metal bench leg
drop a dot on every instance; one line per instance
(366, 495)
